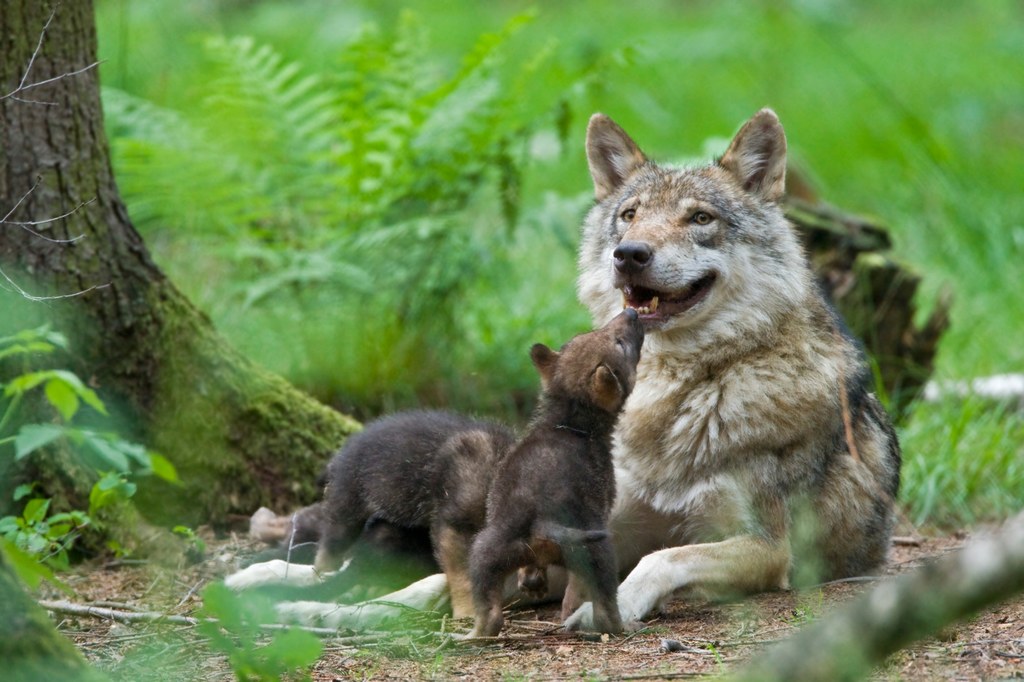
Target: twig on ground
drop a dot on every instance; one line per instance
(118, 616)
(68, 608)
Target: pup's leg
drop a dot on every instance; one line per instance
(575, 595)
(343, 518)
(742, 564)
(451, 548)
(492, 558)
(593, 565)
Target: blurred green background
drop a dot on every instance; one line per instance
(381, 200)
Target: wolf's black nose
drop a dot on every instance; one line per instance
(631, 257)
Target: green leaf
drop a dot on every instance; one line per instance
(30, 571)
(162, 467)
(110, 457)
(35, 510)
(110, 488)
(23, 490)
(26, 382)
(58, 531)
(87, 395)
(292, 649)
(31, 437)
(26, 348)
(63, 397)
(8, 525)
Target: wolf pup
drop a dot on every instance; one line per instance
(551, 495)
(752, 401)
(414, 470)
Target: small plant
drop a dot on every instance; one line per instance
(238, 633)
(48, 537)
(36, 532)
(196, 547)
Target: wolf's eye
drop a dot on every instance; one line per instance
(701, 218)
(628, 215)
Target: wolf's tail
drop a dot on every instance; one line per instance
(565, 535)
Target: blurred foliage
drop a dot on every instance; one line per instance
(357, 209)
(384, 207)
(49, 535)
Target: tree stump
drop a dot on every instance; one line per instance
(874, 293)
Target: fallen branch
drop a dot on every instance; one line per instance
(848, 643)
(91, 611)
(103, 613)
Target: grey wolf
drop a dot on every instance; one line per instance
(559, 476)
(752, 406)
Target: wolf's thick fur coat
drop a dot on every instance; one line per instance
(752, 406)
(752, 401)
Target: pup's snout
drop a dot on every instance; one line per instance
(631, 257)
(628, 322)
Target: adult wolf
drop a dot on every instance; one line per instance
(752, 405)
(752, 402)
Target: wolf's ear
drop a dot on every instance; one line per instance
(608, 392)
(612, 155)
(757, 156)
(544, 359)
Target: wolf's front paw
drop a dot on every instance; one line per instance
(583, 619)
(274, 572)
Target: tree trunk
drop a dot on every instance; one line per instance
(30, 647)
(239, 436)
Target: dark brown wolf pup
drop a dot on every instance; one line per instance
(551, 495)
(414, 470)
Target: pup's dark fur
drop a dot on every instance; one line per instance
(414, 472)
(559, 477)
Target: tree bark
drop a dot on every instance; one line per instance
(845, 645)
(239, 436)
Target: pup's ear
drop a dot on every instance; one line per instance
(608, 392)
(757, 156)
(544, 359)
(612, 155)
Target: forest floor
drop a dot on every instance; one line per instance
(706, 638)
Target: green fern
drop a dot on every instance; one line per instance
(383, 186)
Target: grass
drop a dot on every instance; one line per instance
(910, 112)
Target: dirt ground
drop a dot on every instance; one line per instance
(705, 638)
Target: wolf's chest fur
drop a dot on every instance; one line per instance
(692, 427)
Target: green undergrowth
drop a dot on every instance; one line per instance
(963, 462)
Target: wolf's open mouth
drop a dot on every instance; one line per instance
(657, 305)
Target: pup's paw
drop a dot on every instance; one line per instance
(267, 526)
(533, 582)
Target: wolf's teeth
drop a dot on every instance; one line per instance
(643, 310)
(654, 304)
